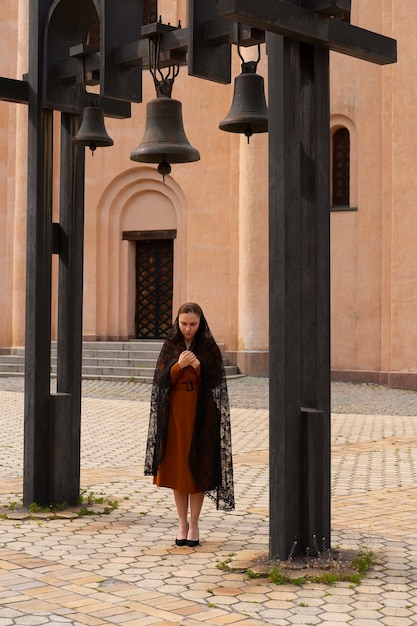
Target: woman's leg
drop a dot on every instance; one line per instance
(181, 502)
(196, 503)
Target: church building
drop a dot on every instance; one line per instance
(200, 233)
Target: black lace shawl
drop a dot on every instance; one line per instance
(210, 460)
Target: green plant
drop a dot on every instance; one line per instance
(363, 561)
(90, 499)
(278, 576)
(84, 511)
(251, 574)
(50, 508)
(224, 565)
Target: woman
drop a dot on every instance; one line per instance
(189, 441)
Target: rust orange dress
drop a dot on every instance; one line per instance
(173, 470)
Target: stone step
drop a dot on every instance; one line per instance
(107, 360)
(109, 348)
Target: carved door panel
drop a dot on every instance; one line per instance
(154, 288)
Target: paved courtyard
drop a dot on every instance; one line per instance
(123, 568)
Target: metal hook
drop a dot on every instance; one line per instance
(163, 84)
(93, 98)
(239, 53)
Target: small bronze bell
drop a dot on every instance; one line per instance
(249, 112)
(164, 140)
(92, 132)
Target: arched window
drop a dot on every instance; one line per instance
(341, 167)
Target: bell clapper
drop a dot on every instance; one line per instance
(164, 169)
(248, 133)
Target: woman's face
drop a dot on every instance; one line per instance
(189, 323)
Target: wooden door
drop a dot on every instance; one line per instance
(154, 288)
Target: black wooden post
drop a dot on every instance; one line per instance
(38, 267)
(299, 289)
(66, 405)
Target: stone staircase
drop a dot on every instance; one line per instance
(105, 360)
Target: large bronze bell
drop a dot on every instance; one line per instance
(249, 112)
(164, 140)
(92, 132)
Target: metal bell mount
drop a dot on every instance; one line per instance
(164, 140)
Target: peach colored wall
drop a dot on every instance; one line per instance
(374, 256)
(13, 159)
(358, 239)
(404, 192)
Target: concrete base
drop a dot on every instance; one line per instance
(250, 362)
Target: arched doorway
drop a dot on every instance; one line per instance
(141, 256)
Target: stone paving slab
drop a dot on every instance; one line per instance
(124, 568)
(253, 393)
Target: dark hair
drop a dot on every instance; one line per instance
(190, 307)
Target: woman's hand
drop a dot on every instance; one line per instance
(188, 359)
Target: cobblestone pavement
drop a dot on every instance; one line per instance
(122, 568)
(250, 392)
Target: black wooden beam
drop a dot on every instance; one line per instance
(12, 90)
(297, 23)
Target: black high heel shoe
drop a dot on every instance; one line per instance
(181, 542)
(192, 543)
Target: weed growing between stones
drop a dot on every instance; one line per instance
(88, 504)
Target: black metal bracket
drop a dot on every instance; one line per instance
(333, 7)
(56, 238)
(12, 90)
(211, 37)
